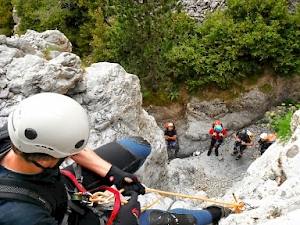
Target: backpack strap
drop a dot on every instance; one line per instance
(4, 139)
(19, 190)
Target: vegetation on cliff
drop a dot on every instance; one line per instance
(167, 49)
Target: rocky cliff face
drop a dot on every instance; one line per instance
(270, 188)
(42, 62)
(198, 8)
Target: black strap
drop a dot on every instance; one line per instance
(4, 133)
(19, 190)
(78, 172)
(4, 139)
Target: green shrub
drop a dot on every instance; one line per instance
(280, 119)
(244, 40)
(283, 127)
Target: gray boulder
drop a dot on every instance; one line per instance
(50, 39)
(31, 74)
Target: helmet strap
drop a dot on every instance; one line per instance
(37, 164)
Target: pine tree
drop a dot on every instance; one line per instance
(6, 20)
(136, 34)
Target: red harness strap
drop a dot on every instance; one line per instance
(117, 195)
(117, 203)
(74, 180)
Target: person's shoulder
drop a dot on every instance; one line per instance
(17, 213)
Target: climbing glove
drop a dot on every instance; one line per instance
(117, 177)
(129, 213)
(217, 212)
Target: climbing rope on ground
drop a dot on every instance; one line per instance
(237, 206)
(102, 197)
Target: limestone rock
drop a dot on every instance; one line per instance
(295, 123)
(212, 109)
(114, 102)
(275, 200)
(7, 54)
(21, 44)
(32, 74)
(50, 39)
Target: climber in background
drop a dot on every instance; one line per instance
(265, 141)
(243, 139)
(217, 133)
(171, 138)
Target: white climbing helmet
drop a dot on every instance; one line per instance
(264, 136)
(49, 123)
(250, 134)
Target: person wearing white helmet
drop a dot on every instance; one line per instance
(265, 142)
(171, 138)
(243, 139)
(44, 129)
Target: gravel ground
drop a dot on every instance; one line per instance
(215, 175)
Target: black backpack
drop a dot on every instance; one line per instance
(21, 190)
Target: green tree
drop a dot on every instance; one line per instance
(6, 20)
(137, 34)
(70, 17)
(246, 39)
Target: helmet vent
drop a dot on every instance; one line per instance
(30, 133)
(41, 146)
(79, 144)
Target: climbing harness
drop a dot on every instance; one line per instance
(87, 198)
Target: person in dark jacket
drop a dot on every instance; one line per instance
(265, 142)
(171, 138)
(44, 129)
(243, 139)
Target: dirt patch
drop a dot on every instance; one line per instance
(173, 112)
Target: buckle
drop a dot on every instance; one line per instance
(79, 179)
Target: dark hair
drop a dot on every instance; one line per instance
(29, 157)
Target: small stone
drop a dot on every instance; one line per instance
(292, 152)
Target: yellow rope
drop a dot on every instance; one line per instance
(237, 206)
(150, 205)
(94, 197)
